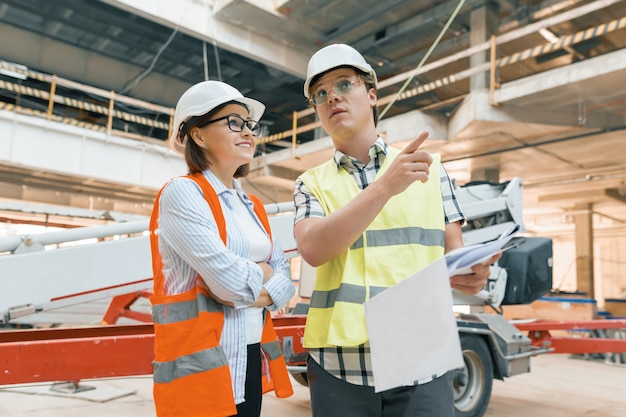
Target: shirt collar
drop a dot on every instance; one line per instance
(379, 147)
(223, 192)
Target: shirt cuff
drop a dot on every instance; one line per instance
(281, 290)
(254, 285)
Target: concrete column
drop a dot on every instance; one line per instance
(484, 22)
(584, 249)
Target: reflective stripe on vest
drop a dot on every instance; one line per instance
(409, 231)
(347, 293)
(187, 365)
(183, 310)
(272, 349)
(401, 236)
(275, 376)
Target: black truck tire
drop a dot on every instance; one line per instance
(301, 378)
(473, 383)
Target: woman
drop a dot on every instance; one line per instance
(217, 271)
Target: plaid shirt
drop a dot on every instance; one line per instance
(353, 364)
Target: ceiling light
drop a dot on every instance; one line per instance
(548, 35)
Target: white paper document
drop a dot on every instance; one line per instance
(412, 329)
(461, 260)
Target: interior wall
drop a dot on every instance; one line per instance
(609, 261)
(609, 265)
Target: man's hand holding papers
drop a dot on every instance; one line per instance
(468, 267)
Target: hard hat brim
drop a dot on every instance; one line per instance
(335, 56)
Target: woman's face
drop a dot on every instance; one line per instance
(227, 148)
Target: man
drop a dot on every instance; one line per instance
(367, 219)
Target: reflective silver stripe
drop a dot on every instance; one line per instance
(272, 349)
(402, 236)
(374, 291)
(204, 360)
(348, 293)
(184, 310)
(358, 244)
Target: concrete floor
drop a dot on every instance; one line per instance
(558, 385)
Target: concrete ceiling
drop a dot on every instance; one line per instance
(565, 139)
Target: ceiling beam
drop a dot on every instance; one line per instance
(618, 194)
(575, 196)
(197, 19)
(351, 24)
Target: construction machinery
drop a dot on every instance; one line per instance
(45, 272)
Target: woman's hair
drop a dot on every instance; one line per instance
(195, 156)
(366, 77)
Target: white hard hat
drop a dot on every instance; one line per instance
(200, 99)
(333, 56)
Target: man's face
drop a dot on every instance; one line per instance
(343, 101)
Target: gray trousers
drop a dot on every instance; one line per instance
(332, 397)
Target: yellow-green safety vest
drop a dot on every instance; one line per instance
(407, 235)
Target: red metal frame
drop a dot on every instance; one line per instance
(538, 332)
(540, 336)
(120, 307)
(291, 328)
(74, 354)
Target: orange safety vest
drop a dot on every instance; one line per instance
(191, 373)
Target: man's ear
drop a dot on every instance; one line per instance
(373, 96)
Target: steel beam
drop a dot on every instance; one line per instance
(73, 354)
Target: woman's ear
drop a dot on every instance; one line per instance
(197, 137)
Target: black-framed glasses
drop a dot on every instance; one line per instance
(237, 123)
(341, 87)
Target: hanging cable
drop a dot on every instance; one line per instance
(217, 61)
(430, 50)
(206, 61)
(152, 64)
(144, 74)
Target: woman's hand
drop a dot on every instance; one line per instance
(268, 271)
(263, 300)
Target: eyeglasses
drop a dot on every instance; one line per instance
(341, 87)
(237, 123)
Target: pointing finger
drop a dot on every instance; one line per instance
(416, 143)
